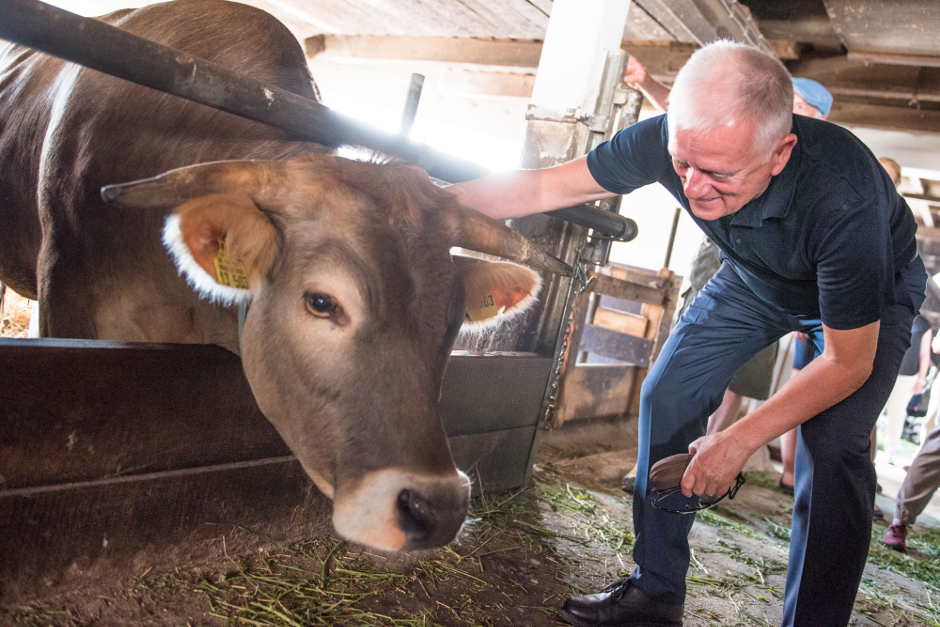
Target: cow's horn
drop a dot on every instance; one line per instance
(475, 231)
(261, 180)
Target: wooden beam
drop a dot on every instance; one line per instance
(663, 59)
(786, 49)
(885, 117)
(620, 346)
(473, 50)
(877, 56)
(628, 291)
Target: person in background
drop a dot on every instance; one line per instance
(810, 98)
(814, 238)
(919, 486)
(804, 351)
(911, 381)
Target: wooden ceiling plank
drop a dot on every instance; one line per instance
(475, 50)
(545, 6)
(664, 16)
(641, 26)
(663, 59)
(887, 26)
(518, 10)
(521, 19)
(885, 117)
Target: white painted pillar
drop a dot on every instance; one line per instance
(580, 36)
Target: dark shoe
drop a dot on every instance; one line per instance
(628, 482)
(878, 488)
(877, 514)
(619, 605)
(786, 488)
(896, 536)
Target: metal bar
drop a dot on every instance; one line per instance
(411, 104)
(672, 237)
(102, 47)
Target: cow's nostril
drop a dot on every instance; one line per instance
(414, 515)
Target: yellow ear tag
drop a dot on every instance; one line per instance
(485, 308)
(229, 271)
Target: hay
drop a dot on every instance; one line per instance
(14, 317)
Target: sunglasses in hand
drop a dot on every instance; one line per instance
(664, 479)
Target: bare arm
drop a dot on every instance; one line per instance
(924, 365)
(523, 192)
(637, 77)
(843, 367)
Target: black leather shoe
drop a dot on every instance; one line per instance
(619, 605)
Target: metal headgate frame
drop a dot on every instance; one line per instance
(99, 46)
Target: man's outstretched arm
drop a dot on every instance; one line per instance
(523, 192)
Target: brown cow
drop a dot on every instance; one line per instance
(355, 298)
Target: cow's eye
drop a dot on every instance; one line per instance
(321, 305)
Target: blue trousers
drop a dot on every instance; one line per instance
(835, 480)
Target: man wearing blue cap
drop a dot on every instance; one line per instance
(811, 99)
(814, 238)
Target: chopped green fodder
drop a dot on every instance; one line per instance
(592, 522)
(714, 519)
(924, 569)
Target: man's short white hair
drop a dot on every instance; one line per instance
(726, 83)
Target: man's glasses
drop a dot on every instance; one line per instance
(672, 500)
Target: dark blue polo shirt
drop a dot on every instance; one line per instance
(828, 238)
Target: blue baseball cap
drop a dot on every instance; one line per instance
(814, 94)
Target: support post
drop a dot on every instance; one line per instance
(563, 119)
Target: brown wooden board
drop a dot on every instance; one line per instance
(626, 348)
(75, 411)
(628, 291)
(596, 390)
(58, 537)
(116, 457)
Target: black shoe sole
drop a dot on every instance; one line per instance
(577, 622)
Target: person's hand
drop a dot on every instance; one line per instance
(802, 337)
(717, 462)
(636, 75)
(918, 387)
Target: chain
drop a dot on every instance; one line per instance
(579, 284)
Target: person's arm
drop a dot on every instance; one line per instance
(637, 77)
(843, 367)
(523, 192)
(924, 366)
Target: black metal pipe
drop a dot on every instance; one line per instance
(102, 47)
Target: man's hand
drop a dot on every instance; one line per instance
(636, 75)
(717, 462)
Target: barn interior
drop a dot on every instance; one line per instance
(497, 90)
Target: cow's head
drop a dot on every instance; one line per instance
(355, 304)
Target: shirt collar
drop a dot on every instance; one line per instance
(776, 200)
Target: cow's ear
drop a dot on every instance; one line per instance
(223, 244)
(496, 291)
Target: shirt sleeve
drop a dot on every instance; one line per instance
(854, 267)
(636, 156)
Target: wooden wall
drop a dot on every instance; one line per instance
(119, 457)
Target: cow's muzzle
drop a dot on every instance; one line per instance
(395, 510)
